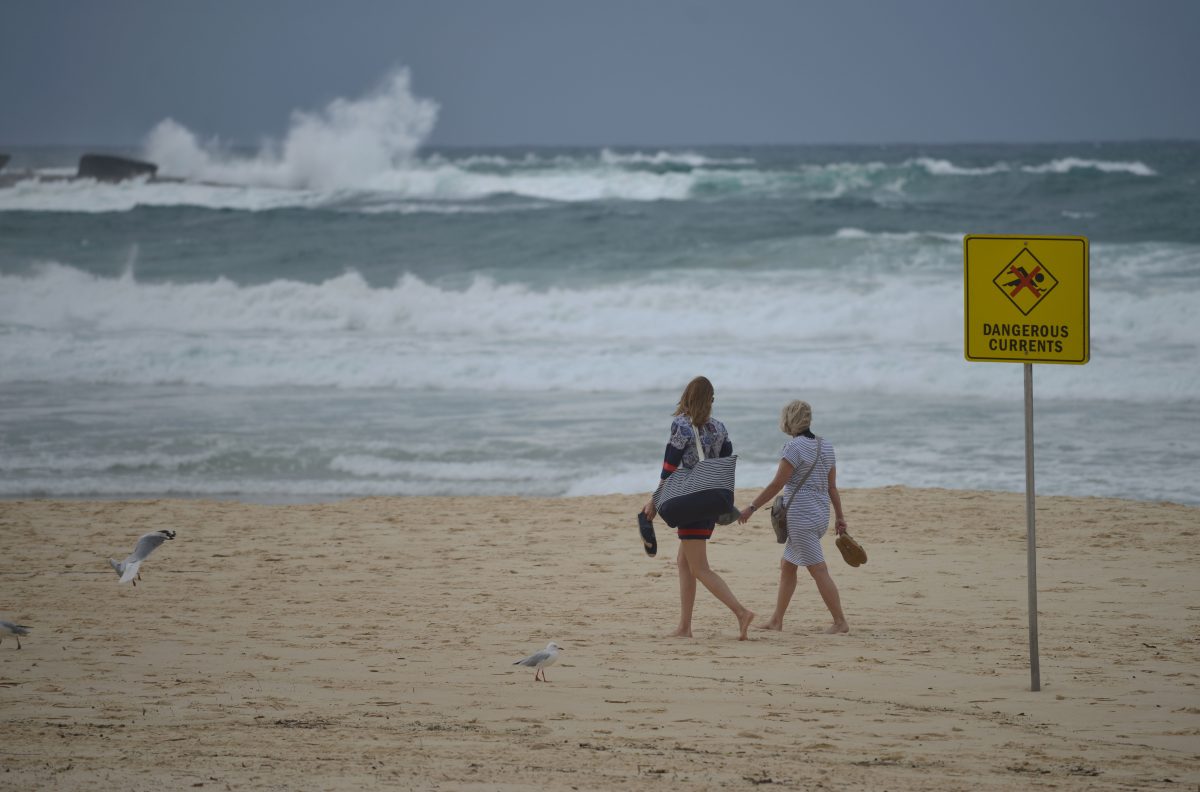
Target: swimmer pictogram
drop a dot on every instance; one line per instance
(1025, 281)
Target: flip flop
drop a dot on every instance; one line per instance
(647, 529)
(851, 550)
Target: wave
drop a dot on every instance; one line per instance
(897, 236)
(267, 487)
(606, 157)
(502, 470)
(365, 155)
(941, 167)
(688, 159)
(91, 197)
(1068, 164)
(371, 144)
(345, 146)
(21, 464)
(414, 189)
(869, 328)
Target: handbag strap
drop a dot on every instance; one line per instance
(811, 468)
(699, 450)
(696, 437)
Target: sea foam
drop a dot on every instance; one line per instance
(1068, 164)
(383, 171)
(60, 324)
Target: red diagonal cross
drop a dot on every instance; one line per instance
(1026, 281)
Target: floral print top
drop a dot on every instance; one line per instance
(681, 448)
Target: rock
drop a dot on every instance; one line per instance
(105, 167)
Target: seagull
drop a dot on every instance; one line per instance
(128, 569)
(14, 629)
(541, 659)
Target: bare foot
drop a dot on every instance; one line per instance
(744, 623)
(680, 633)
(771, 625)
(838, 627)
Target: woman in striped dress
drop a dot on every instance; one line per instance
(808, 515)
(694, 413)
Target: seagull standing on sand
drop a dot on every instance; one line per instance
(128, 569)
(15, 630)
(540, 660)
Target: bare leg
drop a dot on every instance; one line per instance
(787, 587)
(687, 596)
(829, 593)
(696, 553)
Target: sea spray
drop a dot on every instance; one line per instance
(348, 144)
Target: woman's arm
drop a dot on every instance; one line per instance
(839, 525)
(782, 474)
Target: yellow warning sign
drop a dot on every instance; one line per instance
(1026, 298)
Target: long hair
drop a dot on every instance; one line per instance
(696, 401)
(795, 417)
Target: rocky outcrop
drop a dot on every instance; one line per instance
(3, 161)
(108, 168)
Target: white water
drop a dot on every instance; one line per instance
(63, 325)
(365, 153)
(291, 389)
(377, 180)
(346, 145)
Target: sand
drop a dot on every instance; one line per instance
(368, 644)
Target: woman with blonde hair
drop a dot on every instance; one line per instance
(693, 416)
(808, 512)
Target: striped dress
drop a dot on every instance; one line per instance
(808, 517)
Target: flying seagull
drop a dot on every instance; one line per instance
(540, 660)
(128, 569)
(16, 630)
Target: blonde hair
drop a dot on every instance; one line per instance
(696, 401)
(795, 417)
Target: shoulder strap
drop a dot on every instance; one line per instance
(696, 437)
(811, 468)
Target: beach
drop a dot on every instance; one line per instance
(368, 644)
(393, 345)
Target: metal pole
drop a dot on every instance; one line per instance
(1035, 674)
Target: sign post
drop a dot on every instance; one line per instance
(1035, 667)
(1026, 301)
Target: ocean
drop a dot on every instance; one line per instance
(349, 311)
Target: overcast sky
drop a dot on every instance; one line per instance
(610, 72)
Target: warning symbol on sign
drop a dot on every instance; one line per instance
(1025, 281)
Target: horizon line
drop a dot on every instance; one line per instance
(626, 145)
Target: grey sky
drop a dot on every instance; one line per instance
(610, 72)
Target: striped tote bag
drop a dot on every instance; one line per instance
(702, 493)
